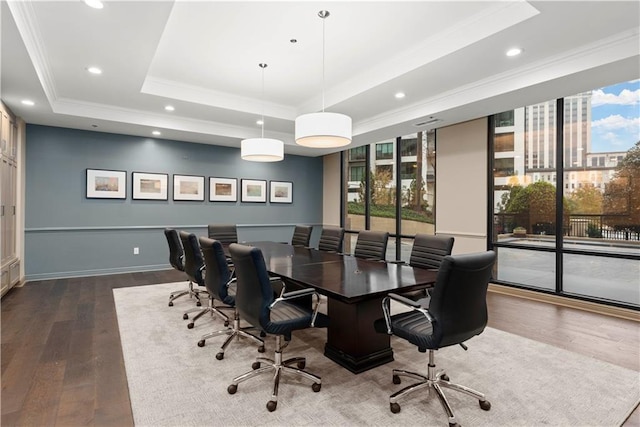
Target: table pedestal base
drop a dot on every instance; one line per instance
(352, 342)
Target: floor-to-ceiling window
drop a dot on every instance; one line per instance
(566, 195)
(390, 187)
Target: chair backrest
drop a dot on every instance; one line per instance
(176, 254)
(429, 250)
(225, 233)
(301, 235)
(331, 239)
(217, 270)
(371, 245)
(459, 297)
(193, 261)
(254, 292)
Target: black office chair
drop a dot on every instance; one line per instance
(301, 235)
(218, 280)
(176, 258)
(371, 245)
(457, 312)
(428, 251)
(331, 239)
(224, 233)
(194, 267)
(211, 276)
(257, 305)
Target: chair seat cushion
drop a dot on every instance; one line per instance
(412, 326)
(286, 317)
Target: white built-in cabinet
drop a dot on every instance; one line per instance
(9, 257)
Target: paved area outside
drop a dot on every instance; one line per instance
(615, 279)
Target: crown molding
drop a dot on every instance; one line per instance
(25, 19)
(160, 121)
(199, 95)
(490, 21)
(621, 46)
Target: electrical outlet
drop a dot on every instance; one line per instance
(136, 251)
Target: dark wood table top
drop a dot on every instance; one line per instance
(344, 277)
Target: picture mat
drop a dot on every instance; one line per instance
(223, 189)
(254, 190)
(106, 184)
(188, 187)
(281, 192)
(150, 186)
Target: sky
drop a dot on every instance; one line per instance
(615, 117)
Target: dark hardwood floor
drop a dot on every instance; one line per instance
(62, 362)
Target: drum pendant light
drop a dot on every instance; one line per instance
(323, 129)
(262, 149)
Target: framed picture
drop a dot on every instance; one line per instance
(254, 190)
(223, 189)
(280, 192)
(106, 184)
(149, 186)
(188, 187)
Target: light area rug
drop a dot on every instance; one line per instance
(173, 382)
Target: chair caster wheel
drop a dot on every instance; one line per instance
(485, 404)
(263, 334)
(454, 425)
(261, 349)
(220, 356)
(201, 343)
(190, 325)
(199, 304)
(255, 365)
(170, 304)
(301, 365)
(444, 377)
(396, 379)
(185, 316)
(232, 389)
(271, 405)
(316, 387)
(395, 408)
(226, 323)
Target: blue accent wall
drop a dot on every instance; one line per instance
(67, 234)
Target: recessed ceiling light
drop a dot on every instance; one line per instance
(96, 4)
(156, 132)
(28, 102)
(259, 122)
(94, 70)
(514, 51)
(400, 95)
(169, 108)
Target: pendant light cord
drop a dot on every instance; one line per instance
(263, 66)
(323, 39)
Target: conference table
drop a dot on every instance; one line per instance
(354, 288)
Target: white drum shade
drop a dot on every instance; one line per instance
(323, 130)
(262, 150)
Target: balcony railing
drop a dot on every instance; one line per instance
(607, 227)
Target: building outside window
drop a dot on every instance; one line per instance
(597, 212)
(416, 168)
(357, 153)
(384, 151)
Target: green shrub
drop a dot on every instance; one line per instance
(389, 211)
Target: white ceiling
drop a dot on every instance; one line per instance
(202, 57)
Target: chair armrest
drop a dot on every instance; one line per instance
(298, 294)
(386, 303)
(404, 300)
